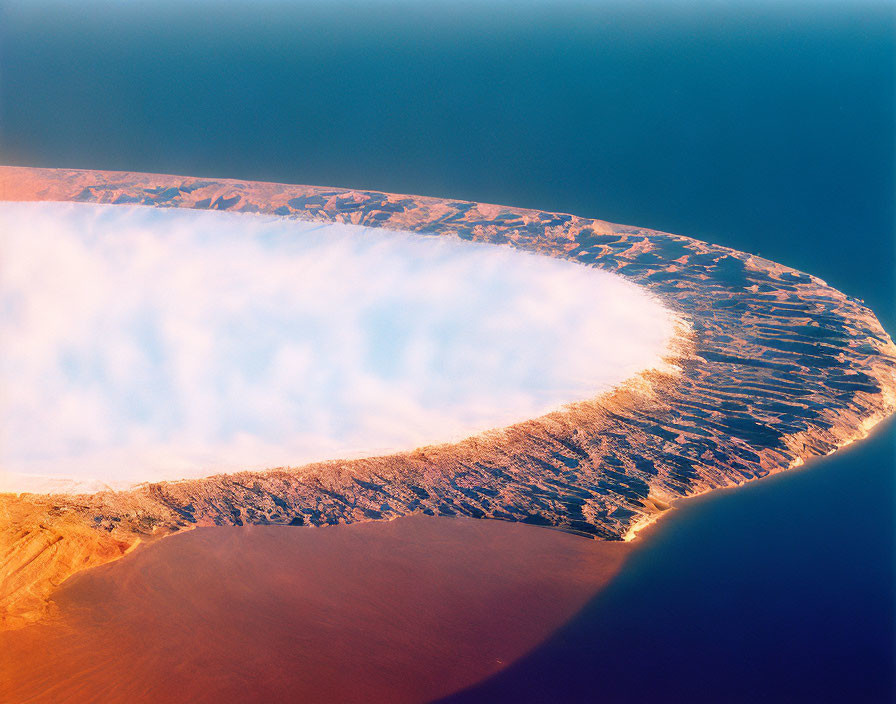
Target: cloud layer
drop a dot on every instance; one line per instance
(143, 343)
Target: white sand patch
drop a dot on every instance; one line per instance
(142, 343)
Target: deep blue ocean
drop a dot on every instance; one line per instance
(768, 127)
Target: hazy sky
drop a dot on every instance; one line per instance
(144, 343)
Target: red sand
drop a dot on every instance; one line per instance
(400, 611)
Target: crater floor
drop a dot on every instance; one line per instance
(145, 344)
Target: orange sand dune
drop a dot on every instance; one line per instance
(399, 611)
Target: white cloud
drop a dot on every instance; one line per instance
(141, 343)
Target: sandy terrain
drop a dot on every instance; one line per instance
(399, 611)
(771, 367)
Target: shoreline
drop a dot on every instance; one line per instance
(654, 521)
(103, 579)
(637, 535)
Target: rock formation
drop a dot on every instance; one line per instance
(773, 367)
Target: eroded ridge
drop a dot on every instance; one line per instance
(773, 368)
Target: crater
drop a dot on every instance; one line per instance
(145, 344)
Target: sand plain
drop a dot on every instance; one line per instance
(400, 611)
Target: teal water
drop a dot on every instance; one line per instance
(766, 127)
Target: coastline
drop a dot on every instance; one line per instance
(81, 598)
(642, 531)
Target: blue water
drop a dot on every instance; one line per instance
(764, 126)
(780, 591)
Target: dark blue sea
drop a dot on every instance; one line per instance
(768, 127)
